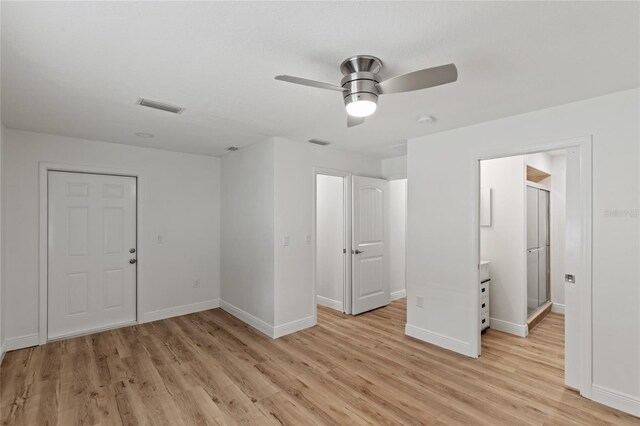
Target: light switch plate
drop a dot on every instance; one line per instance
(285, 241)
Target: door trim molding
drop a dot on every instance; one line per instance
(346, 298)
(585, 143)
(43, 217)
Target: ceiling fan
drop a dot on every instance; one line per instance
(361, 84)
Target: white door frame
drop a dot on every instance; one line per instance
(584, 271)
(45, 168)
(346, 295)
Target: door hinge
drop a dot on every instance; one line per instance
(344, 251)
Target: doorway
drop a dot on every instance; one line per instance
(91, 224)
(351, 234)
(332, 232)
(534, 230)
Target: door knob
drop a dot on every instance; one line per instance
(132, 250)
(132, 261)
(358, 251)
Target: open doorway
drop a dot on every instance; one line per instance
(516, 213)
(332, 241)
(359, 241)
(534, 242)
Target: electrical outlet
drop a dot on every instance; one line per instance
(285, 241)
(159, 239)
(420, 301)
(196, 283)
(308, 240)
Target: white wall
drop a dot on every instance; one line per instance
(247, 233)
(394, 168)
(539, 160)
(294, 163)
(268, 188)
(558, 216)
(330, 241)
(439, 256)
(503, 243)
(397, 236)
(181, 203)
(2, 333)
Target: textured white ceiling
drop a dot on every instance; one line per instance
(77, 68)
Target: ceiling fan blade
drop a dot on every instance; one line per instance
(354, 121)
(311, 83)
(418, 80)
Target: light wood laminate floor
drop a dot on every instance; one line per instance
(210, 368)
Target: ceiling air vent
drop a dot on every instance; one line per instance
(232, 148)
(159, 105)
(318, 142)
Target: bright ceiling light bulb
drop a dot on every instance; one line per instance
(361, 108)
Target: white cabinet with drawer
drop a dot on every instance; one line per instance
(485, 305)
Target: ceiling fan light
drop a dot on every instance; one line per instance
(361, 104)
(361, 108)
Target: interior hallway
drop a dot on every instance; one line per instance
(210, 368)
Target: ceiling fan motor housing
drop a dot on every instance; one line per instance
(362, 86)
(361, 78)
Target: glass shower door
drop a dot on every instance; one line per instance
(538, 290)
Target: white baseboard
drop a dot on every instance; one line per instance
(246, 317)
(181, 310)
(618, 400)
(2, 352)
(14, 343)
(400, 294)
(293, 326)
(21, 342)
(438, 339)
(509, 327)
(558, 308)
(329, 303)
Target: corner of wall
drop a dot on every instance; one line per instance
(247, 235)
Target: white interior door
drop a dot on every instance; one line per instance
(92, 231)
(371, 281)
(572, 362)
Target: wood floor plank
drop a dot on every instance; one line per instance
(210, 368)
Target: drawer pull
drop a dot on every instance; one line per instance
(484, 304)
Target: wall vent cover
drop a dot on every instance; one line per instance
(232, 148)
(318, 142)
(159, 105)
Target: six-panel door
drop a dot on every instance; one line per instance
(91, 245)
